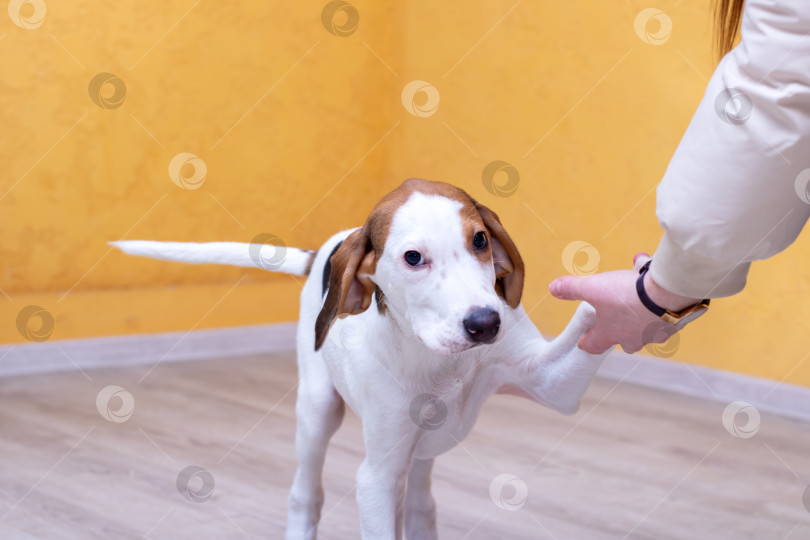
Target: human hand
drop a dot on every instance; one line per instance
(621, 318)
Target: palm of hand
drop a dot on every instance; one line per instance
(621, 318)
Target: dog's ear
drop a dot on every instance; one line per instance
(350, 285)
(509, 271)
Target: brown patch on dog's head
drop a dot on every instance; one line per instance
(351, 287)
(509, 269)
(475, 217)
(354, 263)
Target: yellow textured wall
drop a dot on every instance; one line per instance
(301, 130)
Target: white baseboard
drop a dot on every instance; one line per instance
(668, 375)
(707, 383)
(145, 349)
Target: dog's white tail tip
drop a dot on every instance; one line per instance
(275, 258)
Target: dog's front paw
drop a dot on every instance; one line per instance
(585, 317)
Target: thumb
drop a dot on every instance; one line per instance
(567, 288)
(591, 343)
(640, 259)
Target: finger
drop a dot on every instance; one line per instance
(567, 288)
(591, 343)
(640, 260)
(630, 349)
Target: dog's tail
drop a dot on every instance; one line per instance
(275, 258)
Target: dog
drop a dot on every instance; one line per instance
(413, 320)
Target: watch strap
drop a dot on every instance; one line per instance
(642, 292)
(665, 314)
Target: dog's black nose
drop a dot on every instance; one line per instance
(482, 325)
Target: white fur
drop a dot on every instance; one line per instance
(380, 364)
(268, 257)
(430, 302)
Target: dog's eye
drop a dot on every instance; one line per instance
(480, 240)
(413, 258)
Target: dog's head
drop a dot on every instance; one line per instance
(441, 265)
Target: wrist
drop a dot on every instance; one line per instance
(664, 298)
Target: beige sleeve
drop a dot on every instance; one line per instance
(736, 189)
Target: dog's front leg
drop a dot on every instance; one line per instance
(381, 479)
(420, 507)
(555, 373)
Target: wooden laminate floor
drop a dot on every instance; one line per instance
(633, 463)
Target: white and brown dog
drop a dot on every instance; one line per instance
(413, 320)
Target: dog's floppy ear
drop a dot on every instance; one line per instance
(350, 285)
(509, 270)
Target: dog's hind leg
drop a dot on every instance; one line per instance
(319, 411)
(420, 508)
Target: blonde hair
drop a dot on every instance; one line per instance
(727, 15)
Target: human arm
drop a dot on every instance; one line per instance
(734, 191)
(729, 195)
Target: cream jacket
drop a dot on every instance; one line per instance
(737, 188)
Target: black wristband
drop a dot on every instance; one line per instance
(642, 292)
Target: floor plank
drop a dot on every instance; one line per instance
(633, 463)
